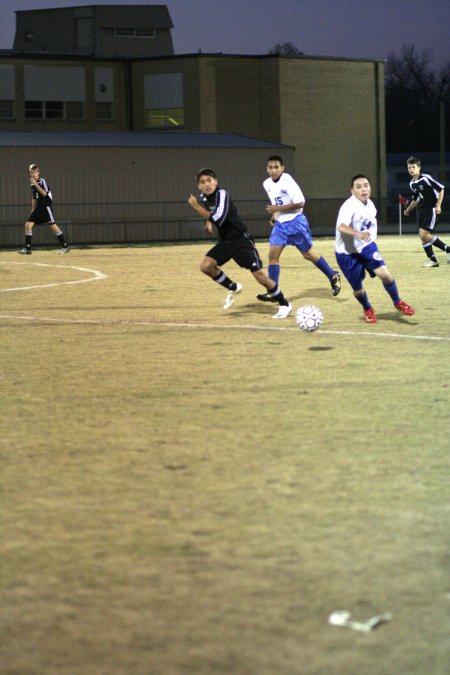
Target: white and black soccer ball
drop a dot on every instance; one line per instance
(309, 317)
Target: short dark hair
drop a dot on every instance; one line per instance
(359, 175)
(275, 158)
(205, 172)
(413, 160)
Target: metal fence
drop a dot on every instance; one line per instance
(147, 222)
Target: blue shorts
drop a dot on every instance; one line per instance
(294, 232)
(354, 265)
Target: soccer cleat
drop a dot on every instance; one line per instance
(61, 251)
(231, 296)
(283, 312)
(369, 315)
(402, 306)
(25, 251)
(430, 263)
(265, 297)
(336, 283)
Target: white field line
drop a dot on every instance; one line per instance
(96, 275)
(212, 326)
(165, 324)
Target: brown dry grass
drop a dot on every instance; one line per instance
(191, 491)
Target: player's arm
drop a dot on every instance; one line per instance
(411, 206)
(284, 208)
(204, 213)
(346, 229)
(38, 187)
(439, 201)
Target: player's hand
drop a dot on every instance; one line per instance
(438, 210)
(406, 212)
(208, 226)
(365, 235)
(271, 209)
(192, 200)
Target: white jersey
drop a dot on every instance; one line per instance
(284, 191)
(360, 217)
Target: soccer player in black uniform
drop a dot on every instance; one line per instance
(235, 243)
(41, 211)
(427, 196)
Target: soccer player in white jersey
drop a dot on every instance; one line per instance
(41, 211)
(427, 195)
(356, 250)
(290, 225)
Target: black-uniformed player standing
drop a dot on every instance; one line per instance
(428, 194)
(41, 211)
(235, 243)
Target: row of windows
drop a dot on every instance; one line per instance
(75, 110)
(56, 110)
(135, 32)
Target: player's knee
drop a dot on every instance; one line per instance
(206, 266)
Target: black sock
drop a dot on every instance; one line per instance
(28, 238)
(440, 244)
(429, 251)
(277, 295)
(62, 241)
(223, 280)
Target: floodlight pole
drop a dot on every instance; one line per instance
(442, 140)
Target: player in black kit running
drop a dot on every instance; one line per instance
(235, 243)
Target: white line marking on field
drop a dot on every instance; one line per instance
(96, 276)
(213, 326)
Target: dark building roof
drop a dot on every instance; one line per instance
(139, 139)
(160, 16)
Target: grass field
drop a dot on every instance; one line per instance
(191, 491)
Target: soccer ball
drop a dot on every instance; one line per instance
(309, 317)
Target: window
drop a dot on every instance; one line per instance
(103, 111)
(134, 32)
(165, 117)
(104, 94)
(6, 110)
(145, 32)
(51, 110)
(7, 92)
(164, 100)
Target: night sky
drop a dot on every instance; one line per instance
(341, 28)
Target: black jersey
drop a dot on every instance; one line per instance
(425, 190)
(224, 215)
(41, 201)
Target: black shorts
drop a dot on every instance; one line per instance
(242, 251)
(41, 216)
(427, 218)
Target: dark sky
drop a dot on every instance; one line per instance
(346, 28)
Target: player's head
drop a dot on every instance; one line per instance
(360, 187)
(275, 166)
(33, 168)
(414, 166)
(206, 180)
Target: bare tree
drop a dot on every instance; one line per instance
(414, 92)
(286, 49)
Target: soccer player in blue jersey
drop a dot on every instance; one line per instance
(427, 195)
(235, 243)
(290, 225)
(357, 252)
(41, 211)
